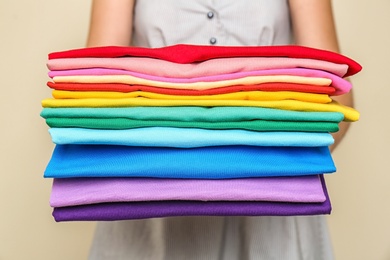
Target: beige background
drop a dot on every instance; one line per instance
(29, 30)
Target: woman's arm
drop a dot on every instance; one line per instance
(313, 26)
(111, 23)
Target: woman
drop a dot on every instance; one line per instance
(155, 23)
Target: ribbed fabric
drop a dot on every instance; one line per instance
(164, 68)
(81, 191)
(342, 86)
(187, 137)
(275, 86)
(206, 162)
(183, 53)
(350, 114)
(247, 95)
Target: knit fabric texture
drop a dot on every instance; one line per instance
(187, 137)
(157, 209)
(185, 53)
(80, 191)
(216, 162)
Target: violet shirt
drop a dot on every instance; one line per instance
(81, 191)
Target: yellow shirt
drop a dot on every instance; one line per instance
(246, 95)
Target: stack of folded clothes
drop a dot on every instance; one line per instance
(192, 130)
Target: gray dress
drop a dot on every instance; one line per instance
(221, 22)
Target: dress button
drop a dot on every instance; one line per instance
(213, 41)
(210, 15)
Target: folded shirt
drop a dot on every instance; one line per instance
(252, 80)
(200, 114)
(81, 191)
(206, 68)
(247, 95)
(185, 53)
(187, 137)
(349, 113)
(273, 86)
(217, 162)
(341, 85)
(157, 209)
(252, 125)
